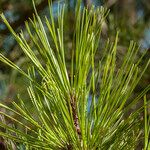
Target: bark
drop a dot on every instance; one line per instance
(75, 116)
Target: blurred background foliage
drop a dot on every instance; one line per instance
(130, 17)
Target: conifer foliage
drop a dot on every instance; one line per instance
(86, 108)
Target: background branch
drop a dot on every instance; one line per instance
(26, 14)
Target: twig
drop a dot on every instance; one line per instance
(75, 116)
